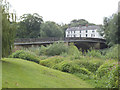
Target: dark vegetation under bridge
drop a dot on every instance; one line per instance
(84, 43)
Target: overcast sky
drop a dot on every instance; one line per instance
(63, 11)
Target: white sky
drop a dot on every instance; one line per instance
(63, 11)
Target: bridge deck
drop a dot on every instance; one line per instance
(33, 41)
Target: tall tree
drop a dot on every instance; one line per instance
(118, 32)
(29, 26)
(0, 30)
(51, 29)
(8, 29)
(110, 29)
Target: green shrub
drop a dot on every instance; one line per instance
(65, 66)
(42, 50)
(93, 53)
(113, 77)
(105, 68)
(71, 67)
(56, 49)
(91, 65)
(25, 55)
(68, 66)
(50, 62)
(108, 75)
(74, 52)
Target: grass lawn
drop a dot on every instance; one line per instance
(18, 73)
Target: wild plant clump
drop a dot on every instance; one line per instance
(54, 49)
(25, 55)
(108, 75)
(94, 53)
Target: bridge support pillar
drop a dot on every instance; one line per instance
(97, 46)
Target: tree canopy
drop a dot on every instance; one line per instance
(29, 26)
(51, 29)
(110, 29)
(82, 22)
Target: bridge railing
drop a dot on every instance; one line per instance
(37, 39)
(26, 40)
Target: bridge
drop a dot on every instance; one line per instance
(78, 41)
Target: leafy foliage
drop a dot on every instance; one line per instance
(8, 29)
(51, 29)
(79, 22)
(74, 52)
(108, 75)
(72, 66)
(105, 68)
(25, 55)
(50, 62)
(94, 53)
(43, 50)
(110, 29)
(57, 49)
(29, 26)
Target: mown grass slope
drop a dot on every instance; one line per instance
(18, 73)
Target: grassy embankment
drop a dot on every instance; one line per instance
(18, 73)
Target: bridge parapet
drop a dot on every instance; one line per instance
(26, 40)
(23, 40)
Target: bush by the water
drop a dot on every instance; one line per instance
(57, 49)
(113, 77)
(67, 66)
(94, 53)
(53, 49)
(106, 68)
(91, 64)
(71, 67)
(74, 52)
(43, 50)
(25, 55)
(108, 75)
(51, 61)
